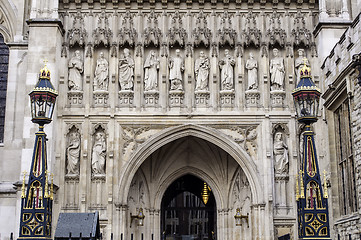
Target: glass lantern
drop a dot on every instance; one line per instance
(43, 99)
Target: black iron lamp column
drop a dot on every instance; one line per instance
(37, 200)
(311, 194)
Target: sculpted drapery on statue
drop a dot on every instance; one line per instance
(126, 71)
(75, 70)
(280, 154)
(176, 67)
(251, 66)
(151, 67)
(99, 154)
(277, 70)
(300, 62)
(226, 65)
(101, 74)
(73, 153)
(202, 72)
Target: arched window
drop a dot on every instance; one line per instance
(4, 64)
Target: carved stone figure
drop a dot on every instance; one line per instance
(73, 153)
(277, 70)
(280, 154)
(251, 66)
(75, 70)
(99, 154)
(226, 65)
(300, 62)
(101, 74)
(126, 71)
(202, 72)
(151, 67)
(176, 67)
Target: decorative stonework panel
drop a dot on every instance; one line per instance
(126, 98)
(101, 98)
(176, 98)
(75, 98)
(252, 98)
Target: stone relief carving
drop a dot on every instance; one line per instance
(177, 34)
(252, 67)
(300, 62)
(77, 34)
(136, 197)
(127, 33)
(126, 71)
(201, 33)
(99, 152)
(275, 33)
(152, 34)
(73, 151)
(226, 65)
(277, 70)
(151, 66)
(176, 68)
(302, 36)
(280, 154)
(241, 193)
(226, 34)
(252, 35)
(75, 66)
(102, 34)
(101, 74)
(202, 72)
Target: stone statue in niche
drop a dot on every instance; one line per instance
(73, 153)
(75, 70)
(299, 63)
(202, 72)
(226, 65)
(99, 154)
(126, 71)
(277, 70)
(251, 66)
(280, 154)
(176, 67)
(151, 67)
(101, 74)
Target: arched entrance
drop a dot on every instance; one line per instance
(185, 215)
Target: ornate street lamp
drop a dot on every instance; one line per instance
(313, 219)
(37, 200)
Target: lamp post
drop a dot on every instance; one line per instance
(37, 200)
(312, 206)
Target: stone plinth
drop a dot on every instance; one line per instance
(75, 99)
(277, 98)
(100, 98)
(202, 98)
(252, 98)
(227, 98)
(176, 98)
(126, 98)
(151, 98)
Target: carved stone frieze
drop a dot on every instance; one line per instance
(252, 35)
(226, 34)
(152, 33)
(177, 34)
(77, 34)
(275, 33)
(301, 35)
(127, 33)
(102, 34)
(202, 34)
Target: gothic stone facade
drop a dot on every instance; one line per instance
(150, 91)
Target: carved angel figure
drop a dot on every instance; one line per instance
(277, 70)
(101, 74)
(99, 154)
(226, 65)
(176, 67)
(151, 67)
(280, 154)
(126, 71)
(75, 66)
(73, 153)
(202, 72)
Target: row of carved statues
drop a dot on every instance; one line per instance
(99, 152)
(151, 66)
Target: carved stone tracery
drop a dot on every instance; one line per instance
(102, 34)
(226, 33)
(201, 33)
(77, 34)
(127, 33)
(152, 34)
(177, 34)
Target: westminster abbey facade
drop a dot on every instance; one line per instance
(182, 111)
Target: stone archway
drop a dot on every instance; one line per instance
(191, 151)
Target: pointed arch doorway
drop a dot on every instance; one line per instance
(184, 214)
